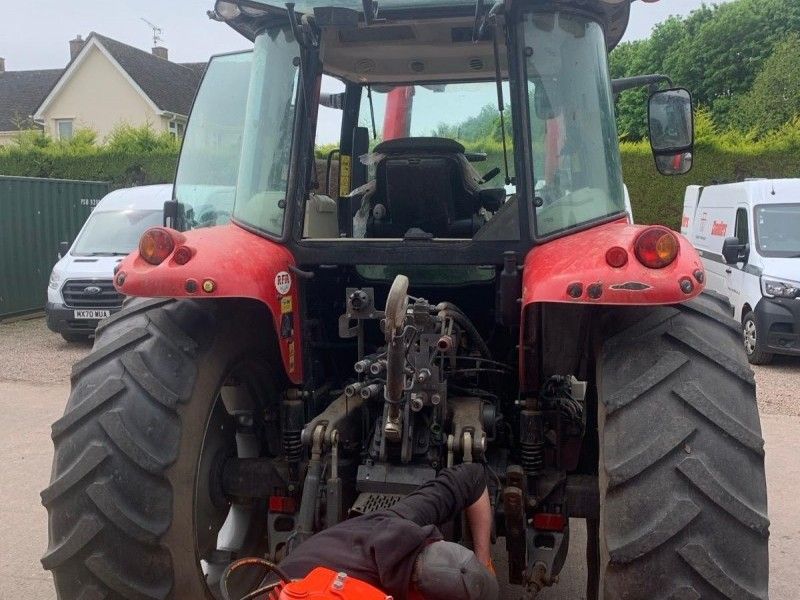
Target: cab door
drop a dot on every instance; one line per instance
(735, 273)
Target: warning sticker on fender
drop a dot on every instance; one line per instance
(283, 283)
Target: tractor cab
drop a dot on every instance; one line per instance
(429, 122)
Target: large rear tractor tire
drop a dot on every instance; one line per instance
(683, 500)
(135, 502)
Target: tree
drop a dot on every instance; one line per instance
(775, 96)
(716, 52)
(625, 61)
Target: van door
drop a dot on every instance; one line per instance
(713, 221)
(735, 273)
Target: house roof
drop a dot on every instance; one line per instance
(197, 67)
(171, 86)
(21, 93)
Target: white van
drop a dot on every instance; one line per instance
(81, 291)
(748, 235)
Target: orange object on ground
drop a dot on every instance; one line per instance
(325, 584)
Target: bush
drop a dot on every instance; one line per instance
(719, 158)
(133, 157)
(135, 140)
(130, 156)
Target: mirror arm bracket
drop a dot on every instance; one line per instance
(628, 83)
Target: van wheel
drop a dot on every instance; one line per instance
(752, 343)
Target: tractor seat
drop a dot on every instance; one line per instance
(421, 185)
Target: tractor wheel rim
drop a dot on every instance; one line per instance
(222, 527)
(750, 337)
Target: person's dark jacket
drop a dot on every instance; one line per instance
(381, 547)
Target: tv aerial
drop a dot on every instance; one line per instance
(157, 31)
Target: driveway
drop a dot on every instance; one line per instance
(34, 372)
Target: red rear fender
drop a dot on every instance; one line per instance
(226, 262)
(574, 269)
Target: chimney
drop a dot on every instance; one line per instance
(75, 46)
(2, 65)
(161, 52)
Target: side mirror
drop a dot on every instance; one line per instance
(63, 248)
(671, 125)
(733, 251)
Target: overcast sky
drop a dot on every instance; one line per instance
(35, 34)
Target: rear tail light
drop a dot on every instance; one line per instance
(549, 521)
(183, 255)
(656, 247)
(617, 257)
(155, 245)
(282, 504)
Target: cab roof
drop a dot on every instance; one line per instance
(255, 15)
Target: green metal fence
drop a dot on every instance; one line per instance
(35, 215)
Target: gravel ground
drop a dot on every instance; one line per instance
(32, 353)
(778, 386)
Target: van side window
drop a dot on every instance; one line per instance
(741, 232)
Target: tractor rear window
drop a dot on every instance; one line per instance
(434, 168)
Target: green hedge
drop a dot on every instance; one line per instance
(139, 157)
(121, 169)
(657, 199)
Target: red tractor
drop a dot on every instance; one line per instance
(307, 339)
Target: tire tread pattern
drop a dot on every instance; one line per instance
(113, 445)
(682, 485)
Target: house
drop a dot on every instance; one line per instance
(21, 93)
(105, 84)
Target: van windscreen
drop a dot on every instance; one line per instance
(778, 230)
(115, 233)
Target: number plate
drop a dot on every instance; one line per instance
(92, 314)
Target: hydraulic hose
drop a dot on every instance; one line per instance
(446, 309)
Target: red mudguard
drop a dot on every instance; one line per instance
(227, 262)
(558, 270)
(574, 270)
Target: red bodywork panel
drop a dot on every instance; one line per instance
(240, 265)
(577, 262)
(580, 258)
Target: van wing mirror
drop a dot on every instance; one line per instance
(63, 248)
(733, 251)
(671, 125)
